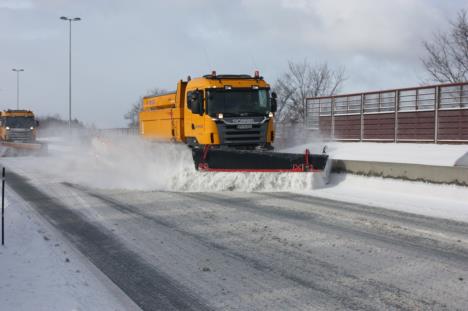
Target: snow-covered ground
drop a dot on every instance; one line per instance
(35, 271)
(430, 154)
(40, 271)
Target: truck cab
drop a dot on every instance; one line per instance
(17, 126)
(229, 110)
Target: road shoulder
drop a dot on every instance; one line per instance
(42, 270)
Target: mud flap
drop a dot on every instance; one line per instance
(232, 160)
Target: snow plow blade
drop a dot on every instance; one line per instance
(12, 149)
(231, 160)
(24, 146)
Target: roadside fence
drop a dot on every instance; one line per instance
(436, 113)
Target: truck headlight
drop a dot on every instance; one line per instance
(270, 114)
(220, 116)
(7, 128)
(32, 128)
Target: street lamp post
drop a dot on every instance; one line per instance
(70, 20)
(17, 86)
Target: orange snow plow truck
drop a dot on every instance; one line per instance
(227, 120)
(18, 132)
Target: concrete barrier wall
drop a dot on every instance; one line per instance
(415, 172)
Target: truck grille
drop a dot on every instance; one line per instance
(233, 135)
(20, 135)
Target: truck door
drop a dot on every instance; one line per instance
(196, 104)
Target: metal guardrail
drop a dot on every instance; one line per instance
(414, 172)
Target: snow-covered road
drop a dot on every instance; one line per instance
(258, 251)
(171, 239)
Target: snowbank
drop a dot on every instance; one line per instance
(40, 271)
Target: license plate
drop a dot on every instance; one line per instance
(244, 126)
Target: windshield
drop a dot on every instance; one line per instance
(237, 102)
(19, 122)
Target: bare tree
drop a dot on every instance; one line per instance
(447, 53)
(303, 80)
(133, 114)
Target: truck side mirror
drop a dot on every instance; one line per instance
(196, 100)
(274, 104)
(189, 101)
(37, 123)
(195, 107)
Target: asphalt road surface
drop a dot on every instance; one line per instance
(258, 251)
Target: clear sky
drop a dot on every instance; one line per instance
(123, 48)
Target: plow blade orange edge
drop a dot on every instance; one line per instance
(232, 160)
(25, 146)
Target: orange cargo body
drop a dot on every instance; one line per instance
(162, 117)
